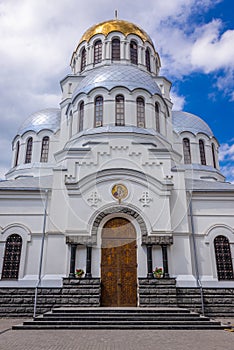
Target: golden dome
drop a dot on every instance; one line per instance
(115, 25)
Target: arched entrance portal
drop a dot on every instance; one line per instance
(119, 263)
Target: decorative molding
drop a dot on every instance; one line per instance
(93, 199)
(157, 240)
(116, 210)
(69, 179)
(145, 199)
(81, 240)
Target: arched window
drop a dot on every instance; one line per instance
(83, 60)
(202, 152)
(115, 53)
(17, 153)
(147, 59)
(11, 262)
(97, 52)
(213, 155)
(28, 155)
(157, 120)
(187, 152)
(119, 110)
(98, 111)
(140, 112)
(45, 149)
(133, 52)
(223, 258)
(81, 116)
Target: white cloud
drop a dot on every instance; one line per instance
(228, 172)
(226, 158)
(178, 101)
(211, 50)
(226, 152)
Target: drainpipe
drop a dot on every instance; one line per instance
(199, 284)
(41, 255)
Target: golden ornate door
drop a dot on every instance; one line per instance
(118, 263)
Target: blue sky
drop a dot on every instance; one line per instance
(195, 40)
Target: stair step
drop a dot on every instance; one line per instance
(120, 310)
(120, 323)
(112, 318)
(115, 326)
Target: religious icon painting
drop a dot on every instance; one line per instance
(119, 192)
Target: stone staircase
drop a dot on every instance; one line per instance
(120, 318)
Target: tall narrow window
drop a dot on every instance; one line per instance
(28, 156)
(81, 116)
(98, 111)
(140, 112)
(213, 155)
(83, 59)
(17, 153)
(11, 262)
(119, 110)
(223, 258)
(202, 152)
(147, 59)
(70, 124)
(115, 54)
(45, 149)
(133, 52)
(187, 151)
(157, 120)
(97, 52)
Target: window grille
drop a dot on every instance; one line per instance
(223, 258)
(11, 262)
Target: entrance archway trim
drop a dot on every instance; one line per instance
(118, 210)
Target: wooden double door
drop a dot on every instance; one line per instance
(119, 263)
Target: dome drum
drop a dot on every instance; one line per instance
(85, 58)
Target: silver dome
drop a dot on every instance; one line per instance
(46, 119)
(183, 121)
(117, 75)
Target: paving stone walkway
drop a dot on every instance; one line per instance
(112, 340)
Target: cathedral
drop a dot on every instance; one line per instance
(114, 186)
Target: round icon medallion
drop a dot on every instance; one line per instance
(119, 191)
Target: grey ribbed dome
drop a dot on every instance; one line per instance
(45, 119)
(115, 76)
(183, 121)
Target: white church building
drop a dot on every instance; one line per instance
(115, 182)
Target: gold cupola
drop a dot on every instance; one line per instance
(115, 25)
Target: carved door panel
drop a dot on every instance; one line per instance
(118, 264)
